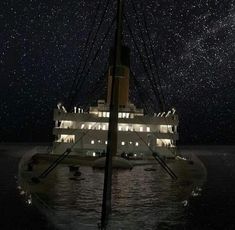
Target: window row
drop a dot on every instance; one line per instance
(122, 142)
(120, 115)
(120, 127)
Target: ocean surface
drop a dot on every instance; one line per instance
(213, 208)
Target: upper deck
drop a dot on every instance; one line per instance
(124, 117)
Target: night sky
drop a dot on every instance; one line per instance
(43, 43)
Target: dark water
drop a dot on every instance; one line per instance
(214, 209)
(14, 212)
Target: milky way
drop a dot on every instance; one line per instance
(43, 45)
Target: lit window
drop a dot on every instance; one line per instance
(106, 142)
(103, 127)
(82, 126)
(119, 128)
(130, 142)
(89, 126)
(123, 143)
(67, 138)
(141, 129)
(148, 129)
(136, 144)
(163, 128)
(93, 154)
(126, 128)
(99, 141)
(164, 142)
(92, 142)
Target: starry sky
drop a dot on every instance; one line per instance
(190, 45)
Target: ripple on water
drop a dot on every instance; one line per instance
(140, 199)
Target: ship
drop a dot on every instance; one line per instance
(138, 134)
(112, 134)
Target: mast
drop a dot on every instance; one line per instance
(113, 119)
(122, 70)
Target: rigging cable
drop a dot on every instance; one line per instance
(81, 82)
(154, 59)
(142, 60)
(159, 160)
(55, 163)
(83, 53)
(137, 86)
(153, 79)
(99, 84)
(155, 65)
(76, 83)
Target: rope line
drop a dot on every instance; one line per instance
(81, 72)
(154, 60)
(80, 83)
(156, 93)
(63, 155)
(159, 159)
(153, 79)
(83, 53)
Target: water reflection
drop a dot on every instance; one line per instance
(141, 199)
